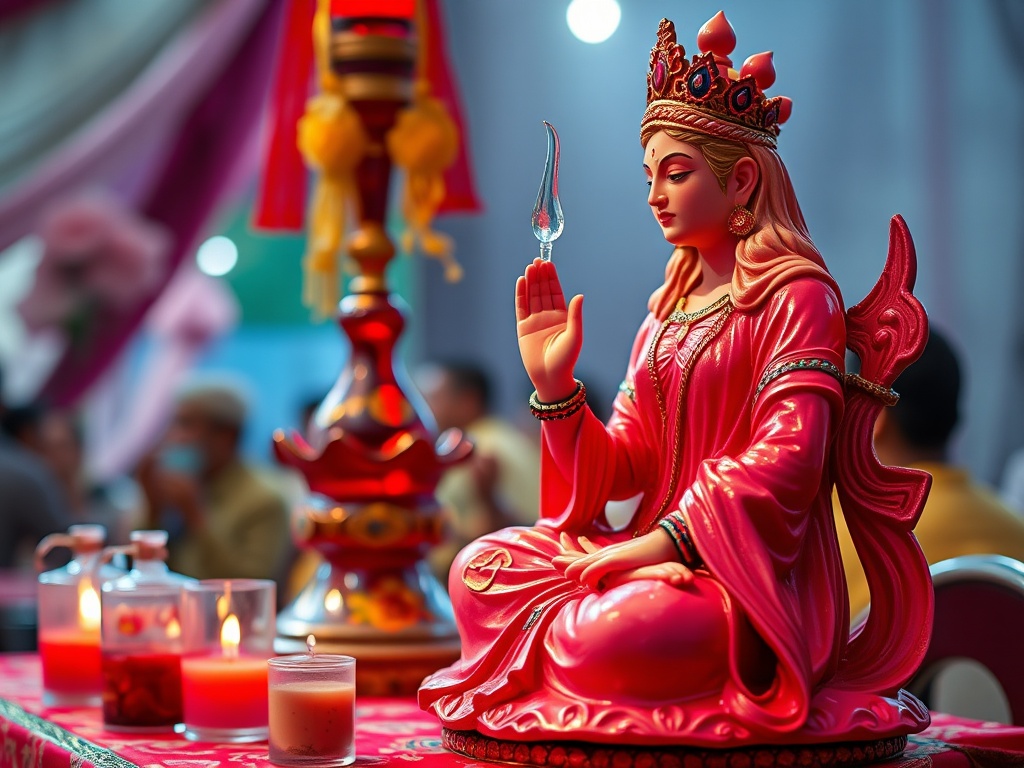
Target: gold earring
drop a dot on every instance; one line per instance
(741, 221)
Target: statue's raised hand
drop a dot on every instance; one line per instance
(550, 335)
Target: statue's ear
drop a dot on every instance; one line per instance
(743, 179)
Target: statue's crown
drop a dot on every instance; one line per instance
(707, 94)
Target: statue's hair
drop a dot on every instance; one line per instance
(778, 249)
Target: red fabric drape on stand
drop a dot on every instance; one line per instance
(280, 202)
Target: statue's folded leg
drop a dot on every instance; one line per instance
(646, 641)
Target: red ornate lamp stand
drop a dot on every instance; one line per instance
(370, 458)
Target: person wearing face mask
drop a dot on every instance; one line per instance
(225, 520)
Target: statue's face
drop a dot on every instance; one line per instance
(685, 195)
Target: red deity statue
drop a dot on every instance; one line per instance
(718, 616)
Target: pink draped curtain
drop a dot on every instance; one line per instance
(171, 146)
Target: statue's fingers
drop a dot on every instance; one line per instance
(533, 287)
(554, 287)
(594, 574)
(588, 546)
(547, 289)
(522, 302)
(576, 569)
(562, 562)
(679, 572)
(574, 323)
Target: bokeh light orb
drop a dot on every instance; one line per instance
(217, 256)
(593, 21)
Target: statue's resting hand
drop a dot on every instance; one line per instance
(550, 334)
(651, 556)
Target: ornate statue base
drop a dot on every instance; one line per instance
(566, 753)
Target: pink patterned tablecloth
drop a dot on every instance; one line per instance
(388, 732)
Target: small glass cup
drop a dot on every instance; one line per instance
(229, 636)
(312, 710)
(141, 655)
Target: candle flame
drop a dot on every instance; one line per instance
(88, 606)
(230, 636)
(173, 629)
(332, 601)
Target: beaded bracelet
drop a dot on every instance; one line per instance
(562, 409)
(675, 526)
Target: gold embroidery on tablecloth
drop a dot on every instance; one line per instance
(80, 749)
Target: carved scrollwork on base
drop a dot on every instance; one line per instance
(561, 753)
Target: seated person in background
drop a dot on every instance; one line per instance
(31, 506)
(23, 425)
(111, 505)
(224, 520)
(960, 517)
(500, 485)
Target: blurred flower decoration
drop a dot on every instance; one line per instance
(100, 260)
(390, 606)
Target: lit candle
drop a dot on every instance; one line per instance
(70, 655)
(228, 632)
(225, 695)
(312, 709)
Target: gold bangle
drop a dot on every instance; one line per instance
(577, 394)
(563, 414)
(560, 410)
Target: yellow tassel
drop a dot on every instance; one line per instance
(423, 143)
(332, 141)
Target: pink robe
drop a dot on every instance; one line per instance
(745, 654)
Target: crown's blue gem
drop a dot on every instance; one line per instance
(741, 99)
(771, 116)
(699, 82)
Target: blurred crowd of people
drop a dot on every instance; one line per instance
(229, 518)
(224, 519)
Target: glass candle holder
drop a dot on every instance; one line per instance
(229, 636)
(69, 618)
(141, 657)
(312, 710)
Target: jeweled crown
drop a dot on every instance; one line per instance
(707, 94)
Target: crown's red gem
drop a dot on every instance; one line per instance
(704, 82)
(659, 73)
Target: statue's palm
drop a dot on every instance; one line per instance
(550, 334)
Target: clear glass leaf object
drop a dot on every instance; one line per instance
(547, 211)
